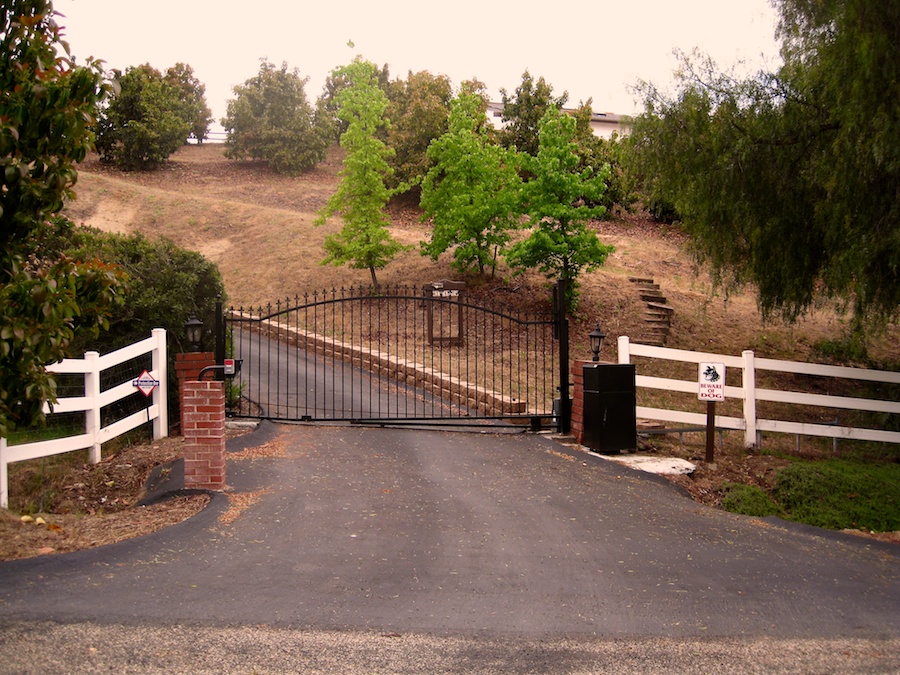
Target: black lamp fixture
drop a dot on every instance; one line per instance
(193, 327)
(596, 337)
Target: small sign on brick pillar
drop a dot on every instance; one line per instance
(203, 412)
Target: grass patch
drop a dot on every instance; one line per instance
(748, 500)
(841, 494)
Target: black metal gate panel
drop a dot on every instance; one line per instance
(399, 355)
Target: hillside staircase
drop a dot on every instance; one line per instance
(657, 314)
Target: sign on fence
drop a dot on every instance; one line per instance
(712, 382)
(145, 383)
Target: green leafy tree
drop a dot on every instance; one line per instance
(471, 192)
(271, 119)
(334, 83)
(559, 200)
(144, 122)
(46, 109)
(523, 112)
(596, 153)
(417, 113)
(364, 241)
(790, 179)
(193, 99)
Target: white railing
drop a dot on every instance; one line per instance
(748, 392)
(92, 401)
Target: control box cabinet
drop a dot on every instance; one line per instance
(610, 402)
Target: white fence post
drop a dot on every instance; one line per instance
(624, 350)
(92, 414)
(159, 364)
(749, 383)
(4, 479)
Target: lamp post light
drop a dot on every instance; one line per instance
(596, 337)
(193, 327)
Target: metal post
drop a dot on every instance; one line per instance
(220, 338)
(710, 431)
(562, 331)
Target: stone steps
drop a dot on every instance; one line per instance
(658, 314)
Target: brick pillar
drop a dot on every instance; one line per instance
(203, 412)
(188, 367)
(577, 427)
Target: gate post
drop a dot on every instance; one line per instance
(204, 435)
(220, 338)
(562, 334)
(187, 368)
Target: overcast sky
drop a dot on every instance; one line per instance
(589, 49)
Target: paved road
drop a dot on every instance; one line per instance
(380, 550)
(289, 383)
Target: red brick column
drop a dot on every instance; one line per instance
(188, 367)
(203, 413)
(577, 426)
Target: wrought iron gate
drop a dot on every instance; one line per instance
(401, 355)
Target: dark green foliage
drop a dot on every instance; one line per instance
(166, 285)
(523, 112)
(145, 122)
(271, 119)
(557, 201)
(418, 113)
(791, 180)
(46, 110)
(661, 210)
(748, 500)
(192, 99)
(839, 494)
(604, 155)
(472, 191)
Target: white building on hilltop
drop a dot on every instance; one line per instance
(603, 125)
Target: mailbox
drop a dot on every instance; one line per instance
(610, 403)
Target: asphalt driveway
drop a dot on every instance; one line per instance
(504, 539)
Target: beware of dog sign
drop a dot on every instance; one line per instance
(712, 382)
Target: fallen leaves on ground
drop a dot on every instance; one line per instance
(63, 533)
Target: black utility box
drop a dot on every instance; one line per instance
(610, 401)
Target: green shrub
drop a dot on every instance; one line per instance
(748, 500)
(144, 123)
(271, 119)
(166, 284)
(841, 494)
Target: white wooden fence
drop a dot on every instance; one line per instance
(92, 401)
(748, 392)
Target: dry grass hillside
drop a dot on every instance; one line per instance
(258, 227)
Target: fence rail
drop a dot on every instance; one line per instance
(91, 403)
(750, 394)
